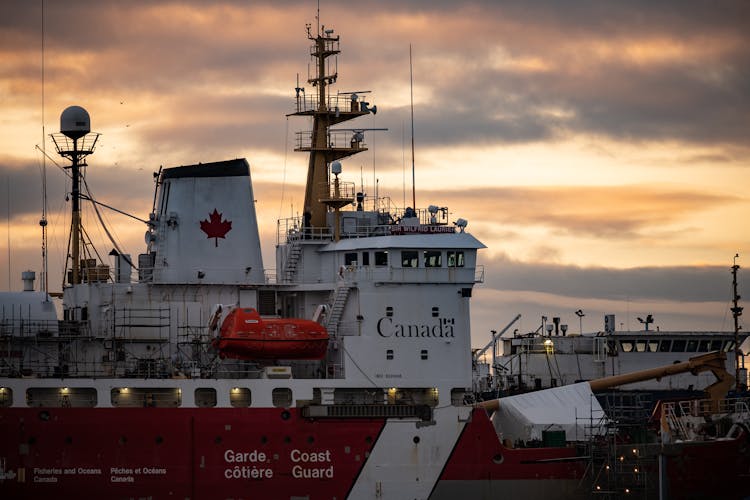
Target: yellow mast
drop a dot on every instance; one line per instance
(326, 110)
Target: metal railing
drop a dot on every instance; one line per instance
(389, 215)
(336, 139)
(342, 103)
(479, 274)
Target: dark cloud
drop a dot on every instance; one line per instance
(684, 283)
(23, 181)
(136, 51)
(20, 187)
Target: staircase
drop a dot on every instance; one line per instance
(292, 260)
(338, 302)
(675, 423)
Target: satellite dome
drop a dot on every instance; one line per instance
(75, 122)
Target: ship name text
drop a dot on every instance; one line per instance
(256, 464)
(443, 329)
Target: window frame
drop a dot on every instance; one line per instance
(409, 259)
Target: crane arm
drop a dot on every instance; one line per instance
(712, 361)
(495, 336)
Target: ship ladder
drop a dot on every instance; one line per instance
(676, 424)
(340, 296)
(292, 259)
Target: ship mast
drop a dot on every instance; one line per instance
(736, 313)
(323, 146)
(75, 142)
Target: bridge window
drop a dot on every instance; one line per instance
(692, 345)
(433, 258)
(409, 258)
(640, 345)
(665, 346)
(678, 345)
(626, 345)
(653, 345)
(365, 258)
(716, 345)
(381, 258)
(456, 259)
(350, 259)
(704, 346)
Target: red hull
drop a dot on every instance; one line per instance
(479, 455)
(708, 470)
(245, 335)
(276, 453)
(180, 453)
(220, 453)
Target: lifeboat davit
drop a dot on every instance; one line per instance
(245, 335)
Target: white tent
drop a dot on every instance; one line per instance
(572, 408)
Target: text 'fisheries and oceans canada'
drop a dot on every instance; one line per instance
(255, 465)
(116, 474)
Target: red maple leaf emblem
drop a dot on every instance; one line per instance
(216, 228)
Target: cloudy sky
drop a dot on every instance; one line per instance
(601, 150)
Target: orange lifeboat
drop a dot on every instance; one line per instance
(245, 335)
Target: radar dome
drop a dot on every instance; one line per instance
(75, 122)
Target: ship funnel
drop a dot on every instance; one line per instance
(206, 225)
(75, 122)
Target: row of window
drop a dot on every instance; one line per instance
(205, 397)
(86, 397)
(409, 258)
(676, 345)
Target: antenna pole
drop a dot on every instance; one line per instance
(76, 219)
(403, 166)
(8, 226)
(413, 176)
(736, 313)
(43, 221)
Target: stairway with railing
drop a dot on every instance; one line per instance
(337, 304)
(292, 260)
(677, 425)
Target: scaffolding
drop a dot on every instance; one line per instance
(621, 463)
